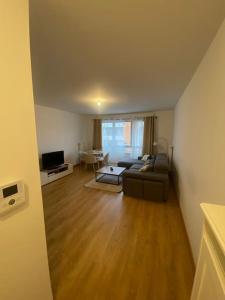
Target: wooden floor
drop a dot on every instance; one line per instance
(103, 245)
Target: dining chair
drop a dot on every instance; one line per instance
(90, 159)
(82, 156)
(104, 160)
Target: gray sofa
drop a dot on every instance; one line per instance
(152, 184)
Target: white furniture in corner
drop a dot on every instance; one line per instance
(209, 282)
(48, 176)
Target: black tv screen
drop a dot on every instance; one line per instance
(52, 159)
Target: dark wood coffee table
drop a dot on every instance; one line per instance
(117, 171)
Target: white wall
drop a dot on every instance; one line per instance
(164, 134)
(199, 142)
(23, 260)
(61, 130)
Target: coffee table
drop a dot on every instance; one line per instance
(117, 171)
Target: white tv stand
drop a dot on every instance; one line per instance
(48, 176)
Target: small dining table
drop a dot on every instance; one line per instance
(95, 152)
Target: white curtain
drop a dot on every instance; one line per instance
(122, 138)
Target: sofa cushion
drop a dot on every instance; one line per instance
(136, 166)
(148, 166)
(145, 157)
(132, 173)
(149, 162)
(145, 168)
(127, 163)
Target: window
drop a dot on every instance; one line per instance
(122, 138)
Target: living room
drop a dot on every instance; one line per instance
(128, 100)
(73, 133)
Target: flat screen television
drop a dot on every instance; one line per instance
(52, 160)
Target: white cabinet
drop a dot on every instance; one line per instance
(209, 283)
(48, 176)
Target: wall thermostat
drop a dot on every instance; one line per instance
(11, 196)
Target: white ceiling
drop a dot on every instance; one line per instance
(134, 55)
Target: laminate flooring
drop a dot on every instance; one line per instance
(103, 245)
